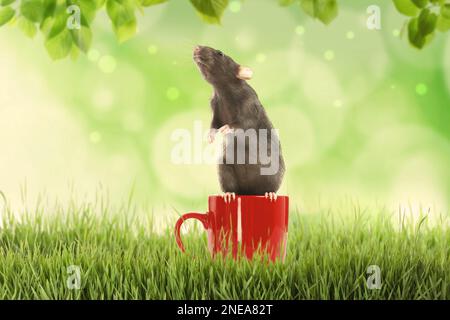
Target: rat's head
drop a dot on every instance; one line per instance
(218, 68)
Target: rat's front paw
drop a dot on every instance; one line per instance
(226, 129)
(272, 196)
(229, 196)
(212, 135)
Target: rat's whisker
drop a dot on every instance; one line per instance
(186, 43)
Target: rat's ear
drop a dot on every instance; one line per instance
(244, 73)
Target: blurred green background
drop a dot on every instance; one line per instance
(362, 115)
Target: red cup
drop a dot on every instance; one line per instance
(248, 224)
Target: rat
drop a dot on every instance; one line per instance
(236, 108)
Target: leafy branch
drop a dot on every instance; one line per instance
(66, 24)
(426, 17)
(324, 10)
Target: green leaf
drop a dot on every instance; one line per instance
(420, 3)
(6, 14)
(27, 27)
(427, 22)
(414, 35)
(99, 3)
(49, 9)
(445, 11)
(324, 10)
(74, 52)
(46, 25)
(210, 10)
(58, 22)
(82, 38)
(126, 30)
(59, 46)
(406, 7)
(308, 7)
(122, 17)
(32, 10)
(6, 2)
(285, 3)
(443, 24)
(148, 3)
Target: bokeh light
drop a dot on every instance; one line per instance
(95, 137)
(107, 64)
(93, 55)
(350, 35)
(300, 30)
(172, 93)
(235, 6)
(152, 49)
(329, 55)
(421, 89)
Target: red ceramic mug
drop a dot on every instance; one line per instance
(247, 224)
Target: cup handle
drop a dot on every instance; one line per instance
(199, 216)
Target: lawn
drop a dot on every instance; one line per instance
(121, 256)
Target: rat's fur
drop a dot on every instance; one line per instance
(236, 104)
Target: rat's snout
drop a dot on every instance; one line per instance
(197, 49)
(201, 55)
(198, 53)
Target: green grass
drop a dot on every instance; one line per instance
(121, 257)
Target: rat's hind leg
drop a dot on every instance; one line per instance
(272, 196)
(229, 196)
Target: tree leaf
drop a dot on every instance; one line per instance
(58, 22)
(445, 10)
(33, 10)
(420, 3)
(210, 10)
(59, 46)
(406, 7)
(427, 22)
(82, 38)
(122, 17)
(74, 52)
(285, 3)
(6, 2)
(443, 24)
(308, 7)
(49, 9)
(99, 3)
(6, 14)
(27, 27)
(148, 3)
(414, 35)
(324, 10)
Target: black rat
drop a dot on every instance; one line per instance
(236, 108)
